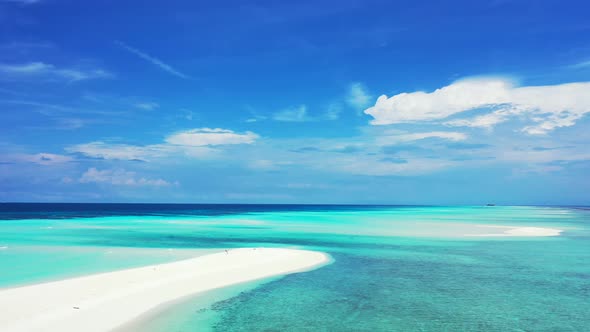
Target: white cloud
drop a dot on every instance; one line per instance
(552, 121)
(119, 177)
(195, 143)
(402, 138)
(549, 107)
(443, 102)
(51, 72)
(155, 61)
(119, 151)
(358, 96)
(148, 106)
(208, 136)
(138, 152)
(26, 68)
(487, 121)
(39, 158)
(293, 114)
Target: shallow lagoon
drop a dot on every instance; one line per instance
(395, 268)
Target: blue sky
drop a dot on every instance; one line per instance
(406, 102)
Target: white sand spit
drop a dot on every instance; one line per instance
(102, 302)
(533, 231)
(521, 231)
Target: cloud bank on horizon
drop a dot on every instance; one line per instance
(288, 103)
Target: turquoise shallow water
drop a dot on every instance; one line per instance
(395, 268)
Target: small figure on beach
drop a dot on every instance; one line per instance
(226, 252)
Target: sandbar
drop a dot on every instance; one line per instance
(105, 301)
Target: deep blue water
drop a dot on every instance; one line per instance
(88, 210)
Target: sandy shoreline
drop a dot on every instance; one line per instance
(105, 301)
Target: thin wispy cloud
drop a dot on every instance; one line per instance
(43, 108)
(256, 118)
(26, 46)
(294, 114)
(119, 177)
(11, 92)
(583, 64)
(402, 138)
(300, 114)
(193, 143)
(358, 96)
(49, 72)
(38, 158)
(24, 2)
(148, 106)
(333, 111)
(209, 137)
(56, 109)
(155, 61)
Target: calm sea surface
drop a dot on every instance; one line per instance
(396, 268)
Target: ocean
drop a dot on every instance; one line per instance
(395, 268)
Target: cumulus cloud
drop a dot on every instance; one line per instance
(209, 137)
(547, 107)
(119, 177)
(51, 72)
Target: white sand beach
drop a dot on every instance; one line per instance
(102, 302)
